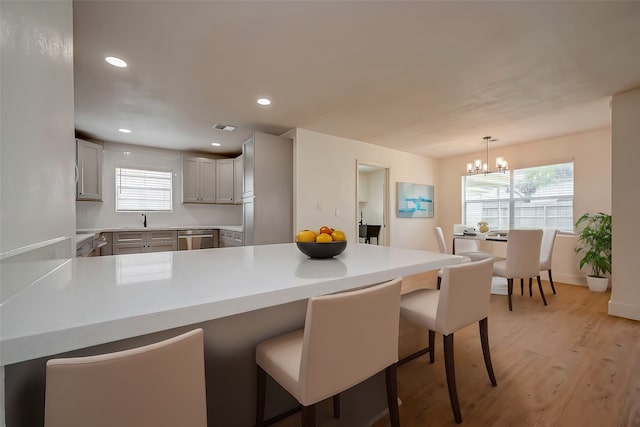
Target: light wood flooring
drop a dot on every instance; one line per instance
(566, 364)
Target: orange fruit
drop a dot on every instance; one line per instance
(306, 236)
(324, 238)
(338, 235)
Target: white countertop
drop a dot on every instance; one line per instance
(81, 237)
(165, 227)
(90, 301)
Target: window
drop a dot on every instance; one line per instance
(522, 198)
(143, 190)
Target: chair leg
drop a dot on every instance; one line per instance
(336, 406)
(260, 396)
(544, 300)
(309, 416)
(510, 291)
(438, 282)
(451, 377)
(432, 346)
(392, 394)
(530, 291)
(521, 286)
(484, 340)
(429, 349)
(553, 288)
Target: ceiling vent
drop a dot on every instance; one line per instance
(224, 127)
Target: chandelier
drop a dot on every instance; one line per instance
(477, 166)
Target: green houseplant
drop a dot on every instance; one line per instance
(594, 244)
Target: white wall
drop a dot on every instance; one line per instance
(325, 170)
(37, 151)
(591, 153)
(625, 290)
(103, 214)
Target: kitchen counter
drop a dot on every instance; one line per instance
(239, 296)
(89, 301)
(82, 237)
(165, 227)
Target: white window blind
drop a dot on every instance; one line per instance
(522, 198)
(143, 190)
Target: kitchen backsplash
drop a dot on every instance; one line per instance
(103, 214)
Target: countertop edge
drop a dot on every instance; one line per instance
(167, 227)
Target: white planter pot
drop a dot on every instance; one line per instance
(597, 284)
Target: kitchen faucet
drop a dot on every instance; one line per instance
(144, 222)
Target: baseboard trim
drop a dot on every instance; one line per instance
(566, 278)
(624, 310)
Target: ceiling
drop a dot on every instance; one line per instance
(430, 78)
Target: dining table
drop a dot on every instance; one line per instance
(490, 237)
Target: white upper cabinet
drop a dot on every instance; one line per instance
(198, 180)
(238, 177)
(224, 180)
(248, 153)
(89, 163)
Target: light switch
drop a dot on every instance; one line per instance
(337, 212)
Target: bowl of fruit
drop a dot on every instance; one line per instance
(324, 243)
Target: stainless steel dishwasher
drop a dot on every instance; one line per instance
(197, 239)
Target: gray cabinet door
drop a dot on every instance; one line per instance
(224, 180)
(248, 154)
(238, 178)
(89, 158)
(207, 181)
(198, 180)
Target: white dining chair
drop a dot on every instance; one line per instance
(160, 385)
(546, 254)
(522, 261)
(470, 252)
(442, 246)
(347, 338)
(462, 300)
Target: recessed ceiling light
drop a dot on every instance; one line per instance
(123, 130)
(116, 62)
(215, 144)
(264, 101)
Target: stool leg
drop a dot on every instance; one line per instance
(451, 377)
(544, 300)
(260, 396)
(521, 286)
(392, 394)
(309, 416)
(432, 346)
(530, 291)
(484, 340)
(510, 291)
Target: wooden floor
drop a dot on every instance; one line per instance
(566, 364)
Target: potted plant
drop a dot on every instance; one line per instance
(594, 243)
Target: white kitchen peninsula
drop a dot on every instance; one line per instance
(240, 296)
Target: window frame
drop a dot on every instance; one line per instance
(510, 203)
(170, 188)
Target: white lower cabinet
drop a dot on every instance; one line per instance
(137, 242)
(230, 238)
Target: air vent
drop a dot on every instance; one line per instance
(224, 127)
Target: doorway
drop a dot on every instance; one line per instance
(372, 200)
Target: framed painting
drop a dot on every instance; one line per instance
(414, 200)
